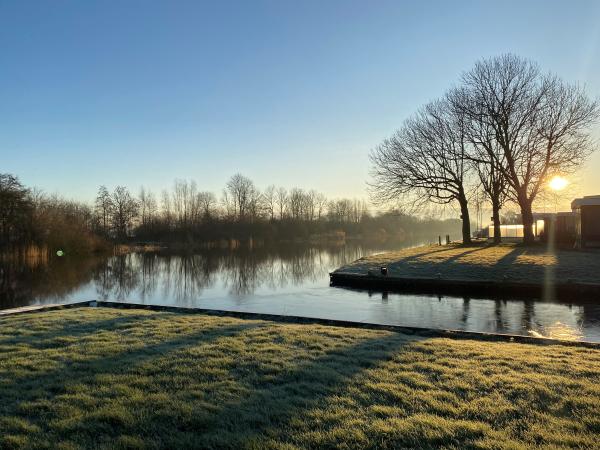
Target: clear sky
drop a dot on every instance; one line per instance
(293, 93)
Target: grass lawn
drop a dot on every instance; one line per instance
(108, 378)
(483, 262)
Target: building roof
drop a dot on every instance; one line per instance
(588, 200)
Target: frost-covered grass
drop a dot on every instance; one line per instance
(483, 262)
(107, 378)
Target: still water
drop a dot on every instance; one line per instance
(286, 279)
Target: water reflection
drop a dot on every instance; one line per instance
(36, 280)
(281, 280)
(241, 272)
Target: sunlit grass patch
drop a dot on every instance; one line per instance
(107, 378)
(484, 262)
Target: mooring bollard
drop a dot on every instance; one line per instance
(384, 271)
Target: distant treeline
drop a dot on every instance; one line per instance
(30, 218)
(187, 216)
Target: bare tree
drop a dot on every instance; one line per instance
(15, 209)
(540, 123)
(104, 206)
(256, 205)
(167, 211)
(124, 211)
(148, 206)
(425, 161)
(311, 204)
(493, 183)
(228, 205)
(338, 211)
(270, 201)
(320, 205)
(282, 201)
(485, 154)
(208, 204)
(241, 193)
(185, 203)
(296, 201)
(360, 210)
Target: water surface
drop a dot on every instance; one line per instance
(286, 279)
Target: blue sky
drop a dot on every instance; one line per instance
(293, 93)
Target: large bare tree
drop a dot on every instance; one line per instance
(485, 154)
(491, 177)
(540, 123)
(425, 161)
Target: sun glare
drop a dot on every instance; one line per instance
(558, 183)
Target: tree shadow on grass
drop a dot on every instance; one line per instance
(453, 258)
(468, 249)
(416, 256)
(72, 372)
(275, 405)
(70, 328)
(506, 261)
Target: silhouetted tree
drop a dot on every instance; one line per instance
(208, 203)
(320, 205)
(185, 203)
(167, 212)
(104, 207)
(296, 203)
(485, 154)
(270, 201)
(15, 210)
(147, 207)
(241, 195)
(425, 161)
(124, 211)
(281, 200)
(540, 122)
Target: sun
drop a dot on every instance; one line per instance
(558, 183)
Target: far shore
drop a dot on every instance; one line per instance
(480, 267)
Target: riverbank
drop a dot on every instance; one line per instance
(478, 268)
(104, 377)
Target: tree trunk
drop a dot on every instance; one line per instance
(496, 220)
(466, 221)
(527, 218)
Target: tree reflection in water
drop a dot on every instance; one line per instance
(242, 271)
(118, 277)
(26, 281)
